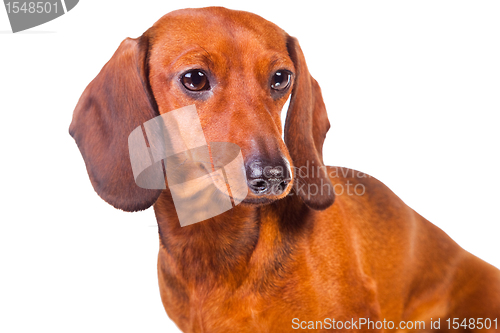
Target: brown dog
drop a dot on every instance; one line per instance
(290, 256)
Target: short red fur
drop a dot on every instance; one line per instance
(274, 257)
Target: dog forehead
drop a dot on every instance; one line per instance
(216, 28)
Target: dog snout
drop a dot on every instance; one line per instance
(266, 177)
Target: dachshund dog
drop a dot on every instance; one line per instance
(313, 247)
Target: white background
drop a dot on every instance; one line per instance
(412, 90)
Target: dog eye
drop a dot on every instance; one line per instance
(195, 80)
(280, 80)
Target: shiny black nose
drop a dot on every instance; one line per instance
(265, 177)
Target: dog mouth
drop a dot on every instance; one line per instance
(276, 190)
(219, 175)
(253, 199)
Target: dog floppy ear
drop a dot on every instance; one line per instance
(305, 130)
(113, 104)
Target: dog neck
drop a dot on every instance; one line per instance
(233, 247)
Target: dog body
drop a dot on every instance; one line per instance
(255, 269)
(284, 255)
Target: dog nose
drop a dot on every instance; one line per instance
(265, 177)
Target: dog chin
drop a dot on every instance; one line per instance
(256, 200)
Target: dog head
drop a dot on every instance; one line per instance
(238, 70)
